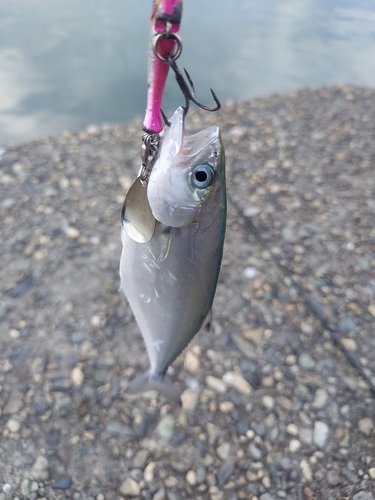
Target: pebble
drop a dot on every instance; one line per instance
(191, 362)
(308, 493)
(181, 461)
(246, 348)
(215, 493)
(251, 210)
(63, 405)
(173, 496)
(321, 398)
(13, 425)
(7, 366)
(237, 381)
(25, 487)
(306, 361)
(294, 445)
(64, 483)
(250, 433)
(255, 336)
(350, 344)
(289, 234)
(225, 471)
(268, 382)
(140, 459)
(34, 486)
(273, 434)
(254, 452)
(306, 327)
(223, 450)
(371, 472)
(166, 427)
(201, 474)
(20, 355)
(306, 435)
(13, 406)
(170, 481)
(366, 425)
(115, 427)
(216, 384)
(159, 495)
(189, 399)
(39, 470)
(284, 402)
(292, 429)
(350, 476)
(250, 272)
(78, 337)
(253, 488)
(268, 402)
(149, 472)
(130, 488)
(226, 406)
(109, 332)
(14, 334)
(77, 376)
(363, 495)
(321, 431)
(191, 478)
(371, 309)
(62, 384)
(291, 359)
(347, 325)
(266, 496)
(306, 470)
(261, 429)
(72, 232)
(212, 431)
(333, 478)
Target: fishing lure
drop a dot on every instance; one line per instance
(173, 226)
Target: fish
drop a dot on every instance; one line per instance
(170, 278)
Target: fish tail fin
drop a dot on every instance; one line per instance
(161, 383)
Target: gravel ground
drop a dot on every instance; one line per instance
(272, 409)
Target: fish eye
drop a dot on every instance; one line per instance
(202, 176)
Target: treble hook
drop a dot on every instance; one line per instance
(187, 93)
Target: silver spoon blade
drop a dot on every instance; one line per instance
(138, 220)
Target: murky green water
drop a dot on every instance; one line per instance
(65, 64)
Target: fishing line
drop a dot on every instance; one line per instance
(312, 306)
(91, 80)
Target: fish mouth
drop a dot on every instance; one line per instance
(174, 143)
(194, 145)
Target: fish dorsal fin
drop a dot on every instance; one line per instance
(138, 220)
(160, 245)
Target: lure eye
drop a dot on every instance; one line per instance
(202, 176)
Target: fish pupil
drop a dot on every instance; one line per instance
(201, 176)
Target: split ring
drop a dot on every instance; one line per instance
(167, 36)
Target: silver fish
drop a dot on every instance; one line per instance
(170, 280)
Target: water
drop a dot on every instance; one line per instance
(67, 63)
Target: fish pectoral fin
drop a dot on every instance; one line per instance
(159, 245)
(161, 383)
